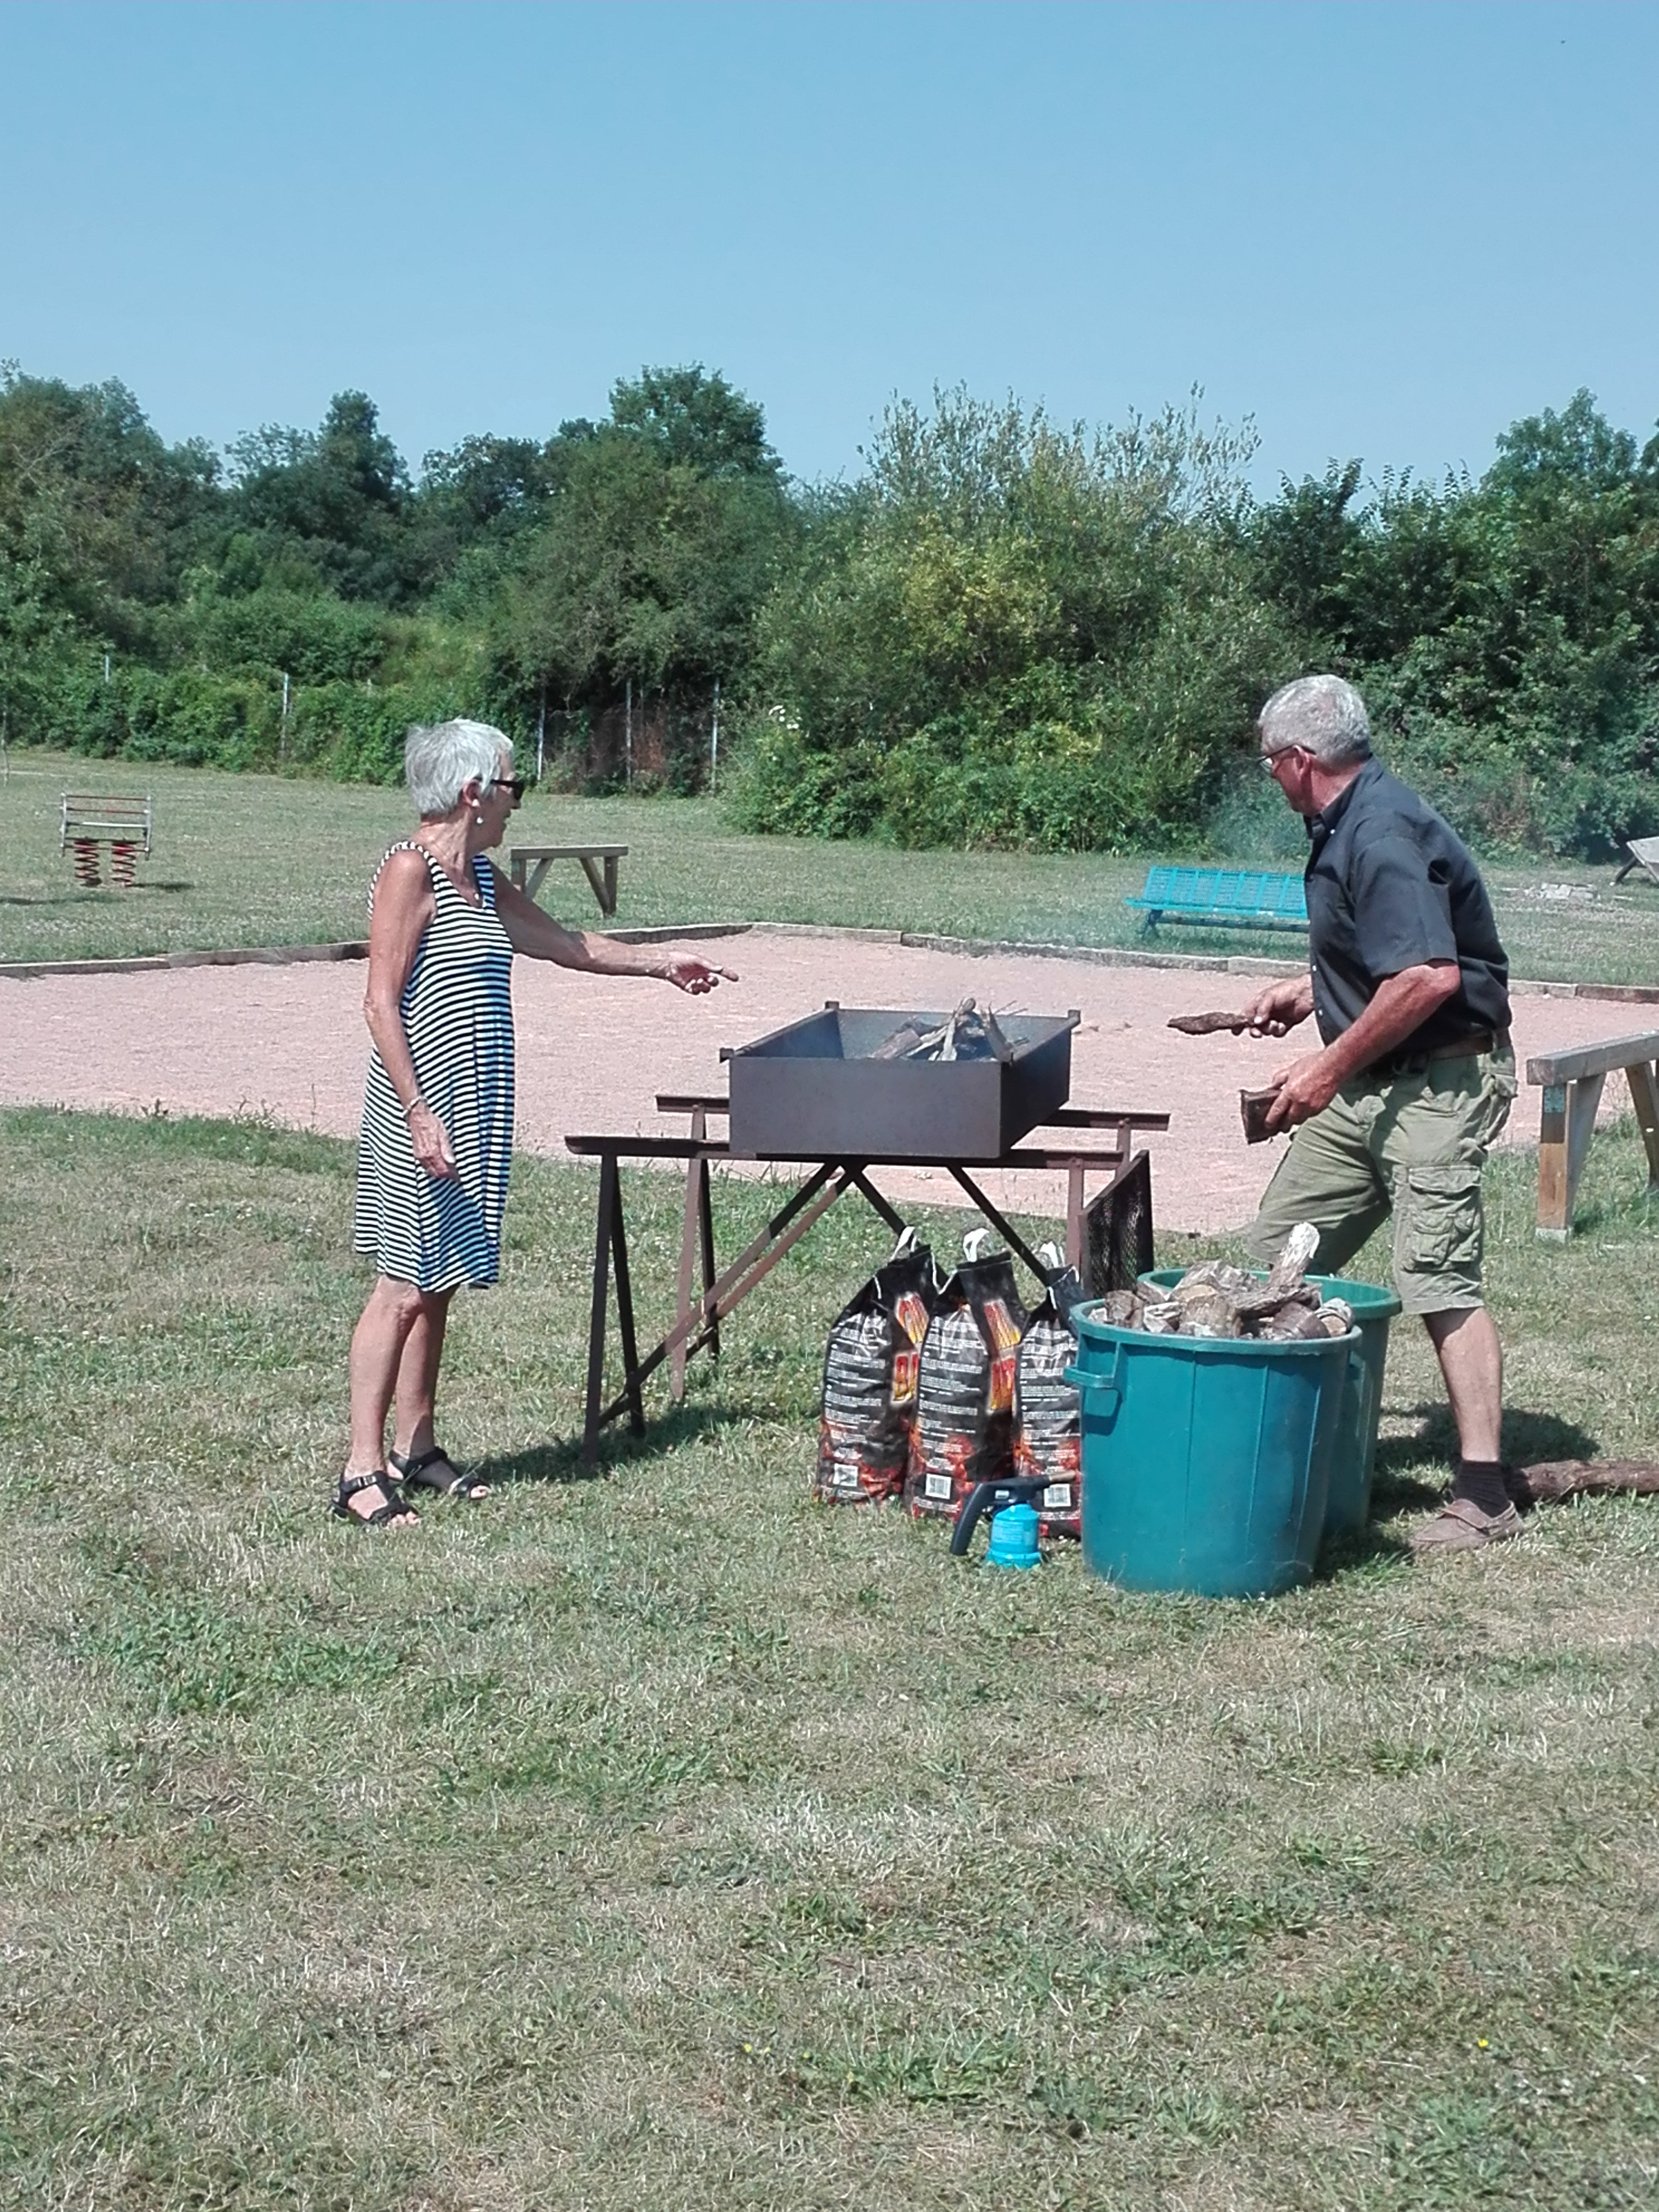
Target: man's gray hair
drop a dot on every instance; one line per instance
(439, 757)
(1323, 715)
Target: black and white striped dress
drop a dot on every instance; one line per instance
(437, 1232)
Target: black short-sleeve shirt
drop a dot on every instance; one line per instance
(1391, 886)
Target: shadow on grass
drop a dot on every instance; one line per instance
(1361, 1551)
(554, 1462)
(1528, 1436)
(562, 1461)
(1640, 1211)
(1398, 1487)
(77, 894)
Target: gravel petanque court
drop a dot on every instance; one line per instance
(289, 1042)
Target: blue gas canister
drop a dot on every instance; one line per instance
(1013, 1520)
(1014, 1539)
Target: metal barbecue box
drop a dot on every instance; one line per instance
(818, 1089)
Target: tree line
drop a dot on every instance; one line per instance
(1002, 632)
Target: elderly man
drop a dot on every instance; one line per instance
(1414, 1077)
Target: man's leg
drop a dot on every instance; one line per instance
(1479, 1510)
(1472, 1361)
(1436, 1134)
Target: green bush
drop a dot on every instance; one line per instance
(357, 734)
(315, 637)
(190, 716)
(1506, 632)
(1003, 634)
(1013, 636)
(200, 719)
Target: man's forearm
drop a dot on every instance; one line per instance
(1402, 1004)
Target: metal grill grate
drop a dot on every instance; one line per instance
(1117, 1241)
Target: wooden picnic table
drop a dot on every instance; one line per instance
(1643, 853)
(1572, 1083)
(528, 865)
(698, 1321)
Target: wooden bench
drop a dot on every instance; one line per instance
(1572, 1083)
(529, 864)
(120, 820)
(1234, 898)
(1644, 855)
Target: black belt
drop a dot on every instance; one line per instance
(1464, 1047)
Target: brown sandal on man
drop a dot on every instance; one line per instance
(1460, 1525)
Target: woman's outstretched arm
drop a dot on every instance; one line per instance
(538, 937)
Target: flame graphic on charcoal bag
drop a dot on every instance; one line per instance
(871, 1369)
(964, 1429)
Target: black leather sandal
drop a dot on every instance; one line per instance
(435, 1471)
(351, 1486)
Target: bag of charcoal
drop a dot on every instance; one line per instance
(964, 1423)
(1048, 1417)
(870, 1368)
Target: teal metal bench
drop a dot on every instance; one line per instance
(1234, 898)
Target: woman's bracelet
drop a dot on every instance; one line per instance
(416, 1105)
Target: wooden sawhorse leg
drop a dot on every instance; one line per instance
(1077, 1195)
(611, 1249)
(805, 1206)
(603, 884)
(1565, 1127)
(1644, 1098)
(697, 1230)
(530, 883)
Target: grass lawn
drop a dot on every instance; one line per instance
(260, 859)
(661, 1841)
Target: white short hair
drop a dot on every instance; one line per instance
(439, 757)
(1322, 715)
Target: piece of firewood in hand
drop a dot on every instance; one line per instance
(1206, 1024)
(1254, 1107)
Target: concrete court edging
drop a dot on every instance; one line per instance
(1098, 955)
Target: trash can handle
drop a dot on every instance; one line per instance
(1088, 1383)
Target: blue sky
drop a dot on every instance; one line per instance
(1382, 230)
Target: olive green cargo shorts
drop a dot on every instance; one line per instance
(1410, 1144)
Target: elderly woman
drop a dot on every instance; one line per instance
(437, 1131)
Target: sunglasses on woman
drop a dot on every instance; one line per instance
(517, 785)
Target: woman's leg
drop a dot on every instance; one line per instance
(417, 1392)
(377, 1350)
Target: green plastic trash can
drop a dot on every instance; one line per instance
(1353, 1459)
(1207, 1461)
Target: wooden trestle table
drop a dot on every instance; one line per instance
(823, 1183)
